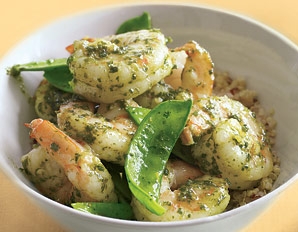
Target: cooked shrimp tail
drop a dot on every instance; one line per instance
(84, 170)
(197, 73)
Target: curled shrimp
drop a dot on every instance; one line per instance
(82, 167)
(47, 175)
(120, 66)
(229, 142)
(207, 112)
(110, 139)
(195, 195)
(194, 72)
(191, 77)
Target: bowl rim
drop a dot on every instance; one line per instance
(30, 191)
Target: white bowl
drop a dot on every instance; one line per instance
(237, 44)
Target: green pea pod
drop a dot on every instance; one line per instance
(183, 152)
(134, 24)
(56, 71)
(150, 149)
(137, 113)
(120, 182)
(112, 210)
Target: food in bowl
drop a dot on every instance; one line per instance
(110, 132)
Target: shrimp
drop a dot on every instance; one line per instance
(229, 142)
(81, 166)
(199, 195)
(207, 112)
(48, 100)
(161, 92)
(197, 74)
(47, 175)
(180, 171)
(120, 66)
(110, 139)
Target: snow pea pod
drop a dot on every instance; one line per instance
(137, 113)
(56, 71)
(150, 149)
(121, 186)
(113, 210)
(136, 23)
(179, 150)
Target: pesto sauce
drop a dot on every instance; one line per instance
(55, 147)
(48, 100)
(23, 89)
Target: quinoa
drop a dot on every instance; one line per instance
(236, 88)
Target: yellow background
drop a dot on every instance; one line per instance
(20, 18)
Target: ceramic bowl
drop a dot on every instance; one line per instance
(236, 43)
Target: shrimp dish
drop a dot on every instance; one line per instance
(150, 128)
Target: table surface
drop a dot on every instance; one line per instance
(20, 18)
